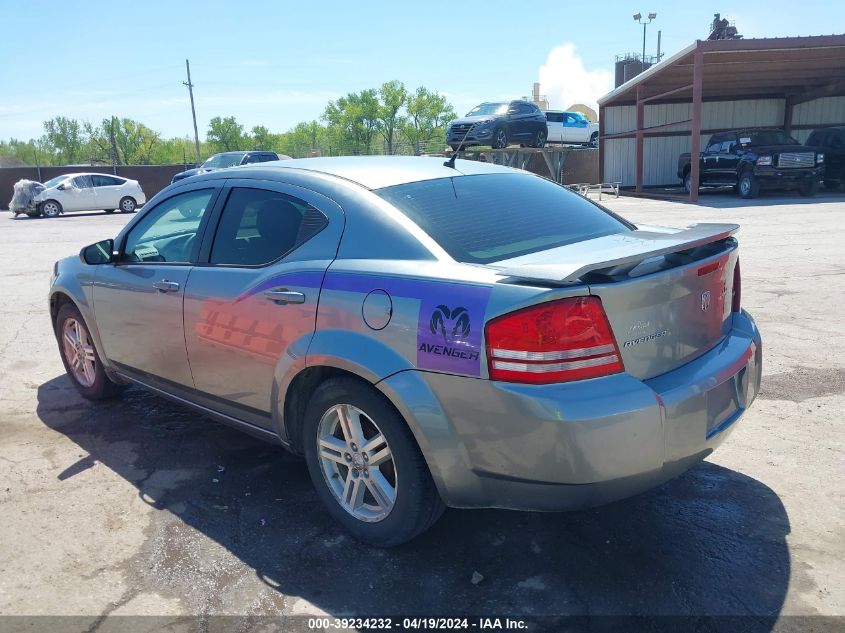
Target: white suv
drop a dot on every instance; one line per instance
(571, 127)
(86, 192)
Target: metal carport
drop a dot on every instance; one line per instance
(796, 83)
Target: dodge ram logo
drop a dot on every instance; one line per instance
(705, 300)
(452, 324)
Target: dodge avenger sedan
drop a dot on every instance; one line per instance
(426, 334)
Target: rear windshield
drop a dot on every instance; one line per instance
(491, 217)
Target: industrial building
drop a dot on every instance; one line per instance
(716, 85)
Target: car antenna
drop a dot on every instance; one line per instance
(451, 161)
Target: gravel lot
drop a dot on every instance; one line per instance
(140, 507)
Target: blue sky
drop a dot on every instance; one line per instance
(278, 63)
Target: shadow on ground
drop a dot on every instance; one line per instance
(726, 198)
(711, 542)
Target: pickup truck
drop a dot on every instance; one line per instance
(749, 160)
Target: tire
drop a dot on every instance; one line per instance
(809, 189)
(540, 138)
(87, 375)
(594, 139)
(500, 138)
(128, 205)
(51, 208)
(409, 502)
(748, 185)
(109, 210)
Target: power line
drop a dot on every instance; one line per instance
(193, 110)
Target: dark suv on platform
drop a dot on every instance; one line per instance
(498, 125)
(228, 159)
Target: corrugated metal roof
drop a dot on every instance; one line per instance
(782, 66)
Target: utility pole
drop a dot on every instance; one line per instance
(193, 111)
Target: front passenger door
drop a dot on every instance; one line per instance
(138, 300)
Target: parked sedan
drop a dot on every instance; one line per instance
(86, 192)
(498, 125)
(424, 334)
(571, 127)
(229, 159)
(832, 141)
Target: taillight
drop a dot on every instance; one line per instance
(736, 293)
(558, 341)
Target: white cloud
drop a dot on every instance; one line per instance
(565, 81)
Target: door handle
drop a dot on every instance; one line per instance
(166, 286)
(283, 297)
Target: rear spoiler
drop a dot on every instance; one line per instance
(616, 253)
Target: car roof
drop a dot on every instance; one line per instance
(373, 172)
(88, 173)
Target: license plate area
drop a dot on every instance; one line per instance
(725, 402)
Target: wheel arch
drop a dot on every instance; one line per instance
(393, 389)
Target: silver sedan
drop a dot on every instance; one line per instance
(426, 334)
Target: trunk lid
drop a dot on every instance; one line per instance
(666, 292)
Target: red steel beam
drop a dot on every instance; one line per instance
(639, 136)
(601, 144)
(695, 141)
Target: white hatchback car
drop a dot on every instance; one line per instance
(86, 192)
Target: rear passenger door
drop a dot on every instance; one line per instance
(108, 190)
(251, 302)
(554, 121)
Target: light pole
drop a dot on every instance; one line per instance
(639, 18)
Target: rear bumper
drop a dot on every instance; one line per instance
(574, 445)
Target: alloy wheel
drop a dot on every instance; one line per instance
(127, 205)
(79, 352)
(357, 463)
(501, 139)
(50, 209)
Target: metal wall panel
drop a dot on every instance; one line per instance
(827, 110)
(620, 119)
(660, 154)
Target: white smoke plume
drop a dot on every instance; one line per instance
(565, 81)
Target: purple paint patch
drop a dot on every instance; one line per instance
(450, 327)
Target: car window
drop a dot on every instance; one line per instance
(524, 108)
(168, 232)
(714, 147)
(554, 117)
(266, 158)
(491, 217)
(727, 147)
(259, 226)
(101, 180)
(82, 182)
(254, 158)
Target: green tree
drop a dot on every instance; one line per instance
(428, 113)
(393, 96)
(356, 117)
(122, 141)
(226, 134)
(64, 140)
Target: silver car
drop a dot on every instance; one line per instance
(425, 334)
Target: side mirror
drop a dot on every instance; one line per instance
(62, 187)
(99, 253)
